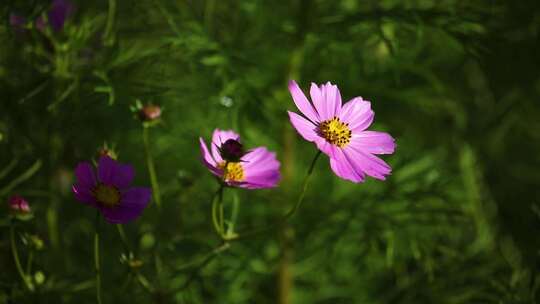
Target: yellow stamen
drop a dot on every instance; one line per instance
(108, 196)
(335, 132)
(233, 173)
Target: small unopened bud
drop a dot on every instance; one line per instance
(149, 112)
(107, 150)
(231, 150)
(18, 205)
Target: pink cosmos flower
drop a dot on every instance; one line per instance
(340, 131)
(18, 205)
(253, 169)
(110, 192)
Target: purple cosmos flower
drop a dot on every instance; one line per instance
(254, 169)
(59, 12)
(340, 132)
(110, 192)
(18, 205)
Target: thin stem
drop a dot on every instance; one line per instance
(234, 215)
(15, 253)
(29, 262)
(207, 259)
(304, 187)
(217, 211)
(109, 37)
(97, 262)
(151, 168)
(123, 237)
(287, 215)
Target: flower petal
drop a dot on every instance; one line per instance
(84, 195)
(332, 100)
(131, 206)
(302, 103)
(85, 175)
(362, 161)
(357, 113)
(218, 138)
(106, 170)
(373, 142)
(261, 169)
(342, 168)
(207, 159)
(303, 126)
(123, 175)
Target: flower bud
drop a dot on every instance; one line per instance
(231, 150)
(149, 112)
(18, 205)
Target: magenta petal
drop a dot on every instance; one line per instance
(123, 176)
(85, 175)
(303, 126)
(207, 159)
(357, 113)
(106, 170)
(218, 138)
(342, 167)
(84, 195)
(332, 100)
(374, 142)
(261, 169)
(302, 103)
(325, 146)
(362, 161)
(131, 206)
(318, 100)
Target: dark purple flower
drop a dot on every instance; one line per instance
(59, 12)
(18, 205)
(109, 192)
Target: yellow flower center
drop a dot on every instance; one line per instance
(335, 132)
(108, 196)
(233, 172)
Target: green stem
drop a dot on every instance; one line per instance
(234, 214)
(304, 187)
(20, 270)
(217, 211)
(109, 38)
(97, 262)
(151, 168)
(288, 215)
(123, 237)
(29, 262)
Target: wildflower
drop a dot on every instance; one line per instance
(18, 205)
(340, 132)
(254, 169)
(59, 12)
(109, 192)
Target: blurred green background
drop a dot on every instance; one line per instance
(456, 82)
